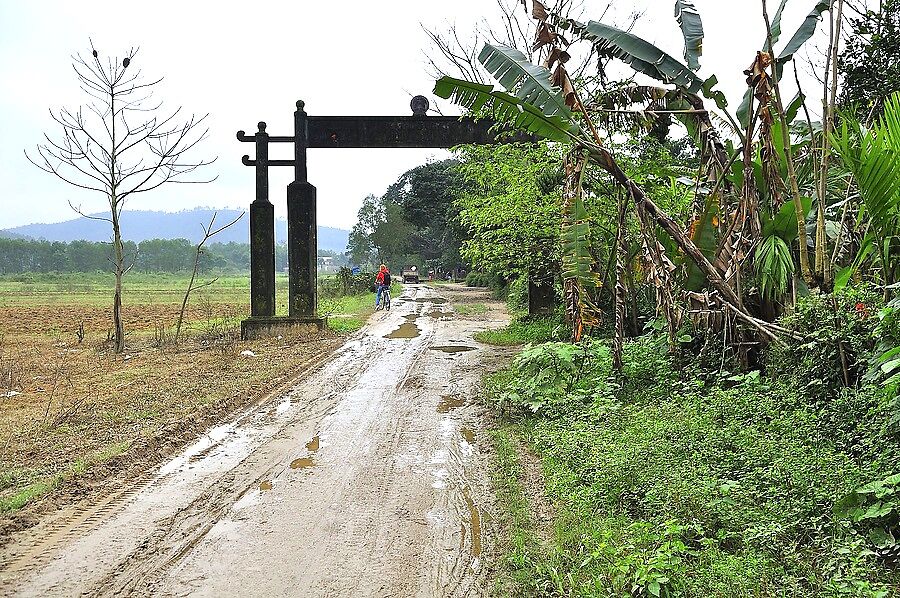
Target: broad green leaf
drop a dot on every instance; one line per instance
(881, 538)
(692, 28)
(776, 25)
(806, 31)
(842, 278)
(505, 108)
(528, 82)
(638, 53)
(704, 234)
(785, 222)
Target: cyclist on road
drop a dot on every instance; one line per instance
(382, 282)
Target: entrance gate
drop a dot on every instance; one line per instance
(320, 132)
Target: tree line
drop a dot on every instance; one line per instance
(153, 255)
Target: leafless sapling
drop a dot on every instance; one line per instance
(208, 233)
(120, 142)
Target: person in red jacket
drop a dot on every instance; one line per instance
(382, 281)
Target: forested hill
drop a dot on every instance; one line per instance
(140, 225)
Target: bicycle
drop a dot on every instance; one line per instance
(385, 299)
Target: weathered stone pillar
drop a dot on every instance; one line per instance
(301, 224)
(262, 235)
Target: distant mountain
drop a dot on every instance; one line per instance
(5, 234)
(140, 225)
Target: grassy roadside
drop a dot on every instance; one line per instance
(520, 542)
(665, 482)
(36, 490)
(523, 331)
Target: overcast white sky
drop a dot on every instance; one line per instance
(249, 61)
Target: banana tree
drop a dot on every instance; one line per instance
(530, 101)
(763, 89)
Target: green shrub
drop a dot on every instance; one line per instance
(838, 333)
(669, 483)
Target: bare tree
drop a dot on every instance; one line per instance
(208, 233)
(118, 144)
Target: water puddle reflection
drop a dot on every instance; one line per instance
(313, 445)
(267, 485)
(302, 463)
(448, 403)
(453, 349)
(474, 522)
(407, 330)
(468, 435)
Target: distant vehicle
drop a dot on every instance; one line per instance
(410, 274)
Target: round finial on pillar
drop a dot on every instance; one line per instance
(262, 126)
(301, 105)
(419, 105)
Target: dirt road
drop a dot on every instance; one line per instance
(364, 480)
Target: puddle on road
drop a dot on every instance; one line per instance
(433, 300)
(302, 463)
(474, 523)
(407, 330)
(448, 403)
(411, 317)
(313, 445)
(267, 485)
(453, 349)
(468, 435)
(436, 314)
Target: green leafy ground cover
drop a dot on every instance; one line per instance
(671, 481)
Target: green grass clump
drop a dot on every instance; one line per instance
(34, 491)
(524, 331)
(345, 325)
(470, 309)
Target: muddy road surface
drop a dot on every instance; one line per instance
(364, 480)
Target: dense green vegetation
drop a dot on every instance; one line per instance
(676, 478)
(414, 223)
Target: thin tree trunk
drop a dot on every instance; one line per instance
(120, 271)
(823, 263)
(621, 252)
(789, 157)
(187, 294)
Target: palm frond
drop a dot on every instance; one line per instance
(485, 101)
(528, 82)
(638, 53)
(774, 267)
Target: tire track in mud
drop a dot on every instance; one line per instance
(144, 569)
(41, 543)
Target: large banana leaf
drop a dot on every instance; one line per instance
(784, 223)
(505, 108)
(638, 53)
(704, 233)
(800, 37)
(806, 31)
(529, 82)
(692, 28)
